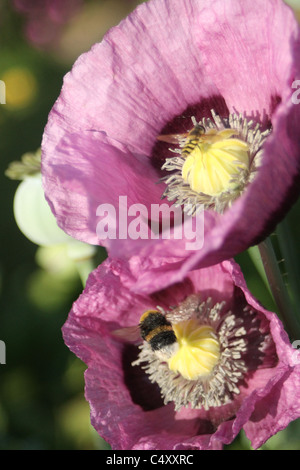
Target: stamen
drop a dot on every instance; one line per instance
(211, 361)
(198, 351)
(214, 163)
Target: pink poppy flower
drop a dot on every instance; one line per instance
(168, 66)
(164, 395)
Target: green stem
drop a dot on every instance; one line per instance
(278, 288)
(287, 248)
(84, 268)
(255, 256)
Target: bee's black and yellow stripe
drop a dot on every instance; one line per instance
(156, 330)
(189, 147)
(192, 139)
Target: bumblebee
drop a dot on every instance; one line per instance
(156, 330)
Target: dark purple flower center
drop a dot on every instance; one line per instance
(208, 156)
(244, 346)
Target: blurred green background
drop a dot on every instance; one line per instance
(41, 385)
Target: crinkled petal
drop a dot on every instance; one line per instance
(127, 410)
(283, 406)
(91, 183)
(245, 59)
(166, 57)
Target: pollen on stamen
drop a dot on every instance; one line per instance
(198, 352)
(213, 168)
(209, 372)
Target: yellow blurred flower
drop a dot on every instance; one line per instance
(20, 87)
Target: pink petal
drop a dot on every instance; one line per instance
(165, 58)
(94, 182)
(129, 414)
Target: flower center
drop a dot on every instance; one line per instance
(198, 352)
(214, 163)
(215, 160)
(215, 351)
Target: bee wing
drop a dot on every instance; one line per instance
(172, 138)
(130, 334)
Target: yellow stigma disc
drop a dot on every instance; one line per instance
(198, 352)
(215, 161)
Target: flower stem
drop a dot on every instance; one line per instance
(287, 247)
(255, 256)
(278, 288)
(84, 268)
